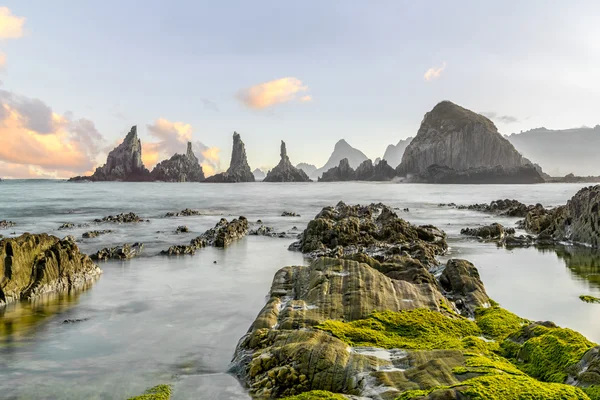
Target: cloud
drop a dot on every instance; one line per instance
(505, 119)
(2, 60)
(434, 72)
(210, 105)
(306, 98)
(11, 27)
(173, 138)
(271, 93)
(39, 142)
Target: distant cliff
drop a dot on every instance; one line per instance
(561, 152)
(309, 169)
(285, 171)
(239, 170)
(179, 168)
(393, 154)
(366, 171)
(259, 174)
(342, 150)
(124, 162)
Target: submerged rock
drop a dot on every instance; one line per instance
(289, 214)
(182, 229)
(239, 170)
(4, 224)
(124, 163)
(179, 168)
(33, 265)
(183, 213)
(285, 171)
(124, 252)
(128, 218)
(93, 234)
(492, 231)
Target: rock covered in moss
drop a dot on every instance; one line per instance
(159, 392)
(33, 265)
(492, 231)
(285, 171)
(124, 252)
(374, 229)
(589, 299)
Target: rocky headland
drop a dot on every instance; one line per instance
(369, 317)
(285, 171)
(239, 170)
(179, 168)
(366, 171)
(35, 265)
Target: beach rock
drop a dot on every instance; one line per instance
(454, 140)
(343, 172)
(239, 170)
(492, 231)
(124, 252)
(375, 230)
(4, 224)
(179, 168)
(460, 279)
(285, 171)
(33, 265)
(128, 218)
(381, 171)
(183, 213)
(124, 163)
(93, 234)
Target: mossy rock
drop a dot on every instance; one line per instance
(317, 395)
(159, 392)
(497, 323)
(589, 299)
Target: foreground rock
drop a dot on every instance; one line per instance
(34, 265)
(239, 170)
(128, 218)
(222, 235)
(124, 163)
(179, 168)
(285, 171)
(124, 252)
(491, 232)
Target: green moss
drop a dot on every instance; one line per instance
(495, 322)
(160, 392)
(548, 352)
(593, 392)
(317, 394)
(413, 329)
(589, 299)
(503, 387)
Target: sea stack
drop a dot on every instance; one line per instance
(179, 168)
(124, 163)
(285, 171)
(460, 140)
(343, 172)
(239, 170)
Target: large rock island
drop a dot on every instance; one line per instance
(124, 163)
(239, 170)
(457, 140)
(179, 168)
(285, 171)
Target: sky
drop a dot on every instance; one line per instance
(77, 75)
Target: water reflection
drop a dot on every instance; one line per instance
(582, 262)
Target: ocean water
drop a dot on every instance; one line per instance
(177, 320)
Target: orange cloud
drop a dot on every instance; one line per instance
(208, 169)
(305, 99)
(270, 93)
(211, 153)
(11, 27)
(434, 72)
(150, 154)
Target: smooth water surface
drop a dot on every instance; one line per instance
(177, 320)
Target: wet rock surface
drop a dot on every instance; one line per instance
(34, 265)
(491, 232)
(183, 213)
(94, 234)
(124, 252)
(285, 170)
(179, 168)
(128, 218)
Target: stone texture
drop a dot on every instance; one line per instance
(239, 170)
(124, 252)
(93, 234)
(343, 172)
(124, 162)
(123, 218)
(381, 171)
(4, 224)
(183, 213)
(179, 168)
(33, 265)
(492, 231)
(285, 171)
(462, 283)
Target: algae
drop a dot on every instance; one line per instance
(317, 394)
(496, 322)
(159, 392)
(589, 299)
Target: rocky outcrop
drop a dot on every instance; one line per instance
(124, 252)
(342, 150)
(94, 234)
(342, 172)
(124, 163)
(33, 265)
(493, 231)
(285, 171)
(4, 224)
(259, 175)
(239, 170)
(378, 172)
(183, 213)
(526, 174)
(504, 207)
(393, 153)
(179, 168)
(463, 286)
(456, 139)
(128, 218)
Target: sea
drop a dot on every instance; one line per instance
(177, 320)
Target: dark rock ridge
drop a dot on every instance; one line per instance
(366, 171)
(259, 174)
(285, 171)
(239, 170)
(179, 168)
(124, 252)
(453, 137)
(124, 163)
(525, 174)
(93, 234)
(270, 232)
(492, 231)
(342, 150)
(183, 213)
(33, 265)
(308, 169)
(222, 235)
(289, 214)
(504, 207)
(393, 153)
(127, 218)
